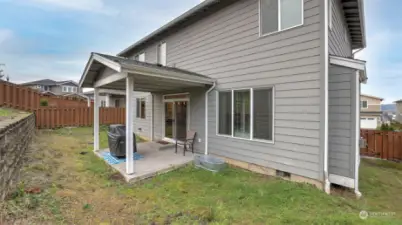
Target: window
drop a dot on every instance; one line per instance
(225, 113)
(364, 104)
(241, 114)
(117, 103)
(141, 108)
(263, 114)
(246, 113)
(141, 57)
(162, 54)
(103, 103)
(64, 88)
(278, 15)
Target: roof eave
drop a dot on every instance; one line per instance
(168, 25)
(362, 23)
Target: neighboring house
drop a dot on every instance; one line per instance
(370, 111)
(109, 98)
(51, 87)
(270, 86)
(398, 116)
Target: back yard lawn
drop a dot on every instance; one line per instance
(78, 188)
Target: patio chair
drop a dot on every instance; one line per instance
(188, 141)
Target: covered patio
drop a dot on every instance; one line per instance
(117, 73)
(153, 161)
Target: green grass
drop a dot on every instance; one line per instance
(4, 112)
(82, 189)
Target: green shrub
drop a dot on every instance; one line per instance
(44, 102)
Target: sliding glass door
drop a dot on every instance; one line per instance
(176, 119)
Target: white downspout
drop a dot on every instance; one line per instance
(327, 185)
(357, 156)
(206, 117)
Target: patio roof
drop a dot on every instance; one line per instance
(106, 71)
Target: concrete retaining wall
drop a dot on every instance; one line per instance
(15, 136)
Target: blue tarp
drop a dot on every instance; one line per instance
(113, 160)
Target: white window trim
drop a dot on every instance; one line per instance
(279, 19)
(139, 57)
(102, 103)
(251, 115)
(158, 52)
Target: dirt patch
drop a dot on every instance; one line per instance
(117, 177)
(163, 142)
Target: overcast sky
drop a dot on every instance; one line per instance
(53, 38)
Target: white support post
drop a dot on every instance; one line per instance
(107, 100)
(130, 109)
(152, 118)
(96, 119)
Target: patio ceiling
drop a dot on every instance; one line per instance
(109, 72)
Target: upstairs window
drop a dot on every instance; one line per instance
(162, 54)
(278, 15)
(141, 57)
(69, 89)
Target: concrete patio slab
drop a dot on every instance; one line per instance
(154, 162)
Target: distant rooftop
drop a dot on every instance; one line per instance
(48, 82)
(371, 96)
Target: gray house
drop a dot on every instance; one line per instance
(270, 85)
(52, 87)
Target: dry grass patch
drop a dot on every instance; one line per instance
(79, 188)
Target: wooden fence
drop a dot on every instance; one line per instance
(50, 118)
(382, 144)
(61, 112)
(25, 98)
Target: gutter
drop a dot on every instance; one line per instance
(206, 117)
(357, 143)
(327, 184)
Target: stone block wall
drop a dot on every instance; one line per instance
(15, 136)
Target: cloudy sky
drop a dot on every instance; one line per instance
(53, 38)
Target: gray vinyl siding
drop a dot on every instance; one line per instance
(226, 46)
(337, 44)
(158, 108)
(57, 90)
(342, 123)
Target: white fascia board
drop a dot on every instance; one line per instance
(168, 74)
(109, 79)
(90, 61)
(346, 62)
(112, 65)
